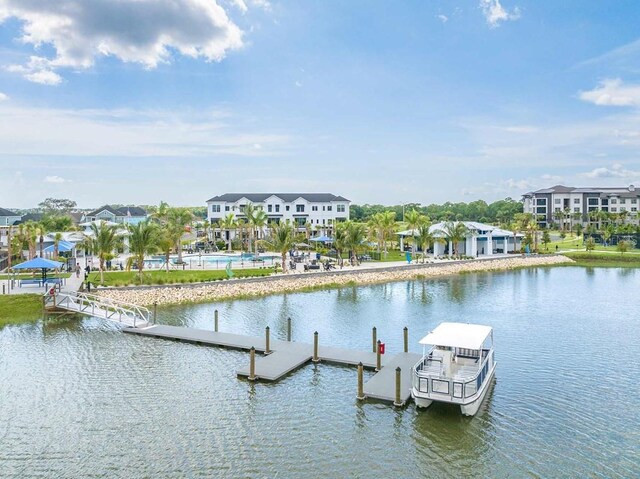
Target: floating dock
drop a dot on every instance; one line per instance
(282, 357)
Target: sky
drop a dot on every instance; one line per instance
(138, 101)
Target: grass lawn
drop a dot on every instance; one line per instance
(125, 278)
(613, 260)
(20, 308)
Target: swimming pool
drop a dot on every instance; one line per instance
(219, 259)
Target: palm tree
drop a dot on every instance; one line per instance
(144, 239)
(102, 241)
(340, 241)
(454, 233)
(258, 222)
(228, 224)
(166, 242)
(178, 219)
(413, 219)
(425, 238)
(282, 239)
(56, 243)
(388, 227)
(355, 235)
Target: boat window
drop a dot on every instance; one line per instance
(423, 385)
(438, 386)
(457, 390)
(470, 389)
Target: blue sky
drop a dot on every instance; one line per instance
(138, 101)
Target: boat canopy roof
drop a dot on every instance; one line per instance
(458, 335)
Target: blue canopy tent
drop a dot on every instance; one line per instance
(39, 263)
(63, 247)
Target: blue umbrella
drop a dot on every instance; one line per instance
(39, 263)
(63, 247)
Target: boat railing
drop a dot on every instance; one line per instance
(457, 388)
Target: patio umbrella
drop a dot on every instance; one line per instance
(301, 245)
(63, 247)
(39, 263)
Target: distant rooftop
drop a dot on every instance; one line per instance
(4, 212)
(287, 197)
(611, 190)
(124, 211)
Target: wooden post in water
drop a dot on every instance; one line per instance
(215, 320)
(267, 350)
(374, 334)
(155, 311)
(315, 359)
(406, 339)
(378, 358)
(360, 395)
(398, 401)
(288, 329)
(252, 364)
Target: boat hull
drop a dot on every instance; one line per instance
(472, 408)
(422, 402)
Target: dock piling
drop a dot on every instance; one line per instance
(252, 364)
(360, 395)
(315, 359)
(155, 311)
(267, 349)
(378, 358)
(406, 339)
(288, 329)
(374, 334)
(398, 401)
(215, 320)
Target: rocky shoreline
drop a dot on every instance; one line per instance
(221, 290)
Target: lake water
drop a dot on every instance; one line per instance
(81, 399)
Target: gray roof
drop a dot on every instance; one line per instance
(286, 197)
(124, 211)
(607, 190)
(4, 212)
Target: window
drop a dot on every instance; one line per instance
(634, 209)
(541, 201)
(340, 208)
(215, 208)
(241, 207)
(322, 221)
(614, 209)
(541, 210)
(614, 201)
(329, 208)
(576, 201)
(576, 210)
(300, 221)
(329, 221)
(593, 201)
(286, 207)
(324, 208)
(557, 210)
(314, 208)
(226, 208)
(269, 208)
(277, 208)
(622, 208)
(557, 201)
(634, 201)
(299, 208)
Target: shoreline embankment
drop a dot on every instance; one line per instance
(279, 284)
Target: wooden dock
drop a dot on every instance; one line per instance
(287, 356)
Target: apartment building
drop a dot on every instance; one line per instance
(549, 203)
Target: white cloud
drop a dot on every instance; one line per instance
(131, 133)
(139, 31)
(443, 18)
(616, 171)
(298, 83)
(55, 179)
(612, 92)
(495, 13)
(3, 97)
(520, 129)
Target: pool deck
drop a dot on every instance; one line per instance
(285, 357)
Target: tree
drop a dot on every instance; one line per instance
(102, 240)
(413, 219)
(166, 243)
(56, 244)
(228, 224)
(623, 246)
(454, 233)
(57, 207)
(340, 240)
(355, 235)
(258, 221)
(546, 239)
(282, 239)
(590, 244)
(144, 239)
(424, 237)
(178, 219)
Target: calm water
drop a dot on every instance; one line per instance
(81, 399)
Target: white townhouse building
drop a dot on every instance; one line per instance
(321, 210)
(548, 203)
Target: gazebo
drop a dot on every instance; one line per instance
(39, 263)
